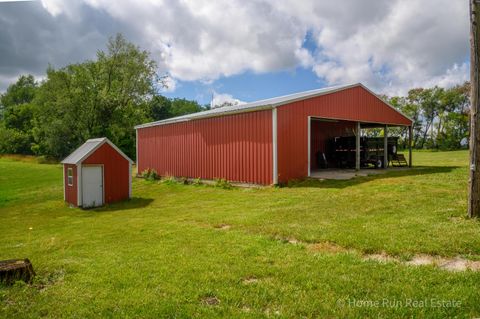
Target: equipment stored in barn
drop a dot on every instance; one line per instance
(371, 151)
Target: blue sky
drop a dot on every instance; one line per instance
(249, 86)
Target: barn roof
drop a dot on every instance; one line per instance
(88, 148)
(260, 105)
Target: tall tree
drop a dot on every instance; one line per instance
(16, 113)
(184, 106)
(452, 122)
(105, 97)
(474, 180)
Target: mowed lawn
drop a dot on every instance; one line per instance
(200, 251)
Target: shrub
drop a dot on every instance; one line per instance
(150, 174)
(222, 183)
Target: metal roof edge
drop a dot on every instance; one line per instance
(302, 96)
(298, 97)
(308, 96)
(101, 140)
(387, 103)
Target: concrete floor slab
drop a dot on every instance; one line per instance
(345, 174)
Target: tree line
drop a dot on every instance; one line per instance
(440, 116)
(108, 96)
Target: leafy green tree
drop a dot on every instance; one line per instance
(183, 106)
(160, 108)
(452, 124)
(21, 92)
(16, 114)
(440, 116)
(105, 97)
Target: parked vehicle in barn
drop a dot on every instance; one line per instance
(371, 151)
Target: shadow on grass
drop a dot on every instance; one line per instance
(132, 203)
(329, 183)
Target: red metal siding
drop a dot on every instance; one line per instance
(353, 104)
(115, 172)
(235, 147)
(70, 191)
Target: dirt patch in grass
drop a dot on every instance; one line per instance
(246, 309)
(210, 300)
(382, 258)
(455, 264)
(420, 260)
(327, 247)
(250, 280)
(293, 241)
(222, 226)
(450, 264)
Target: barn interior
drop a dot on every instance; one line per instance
(333, 146)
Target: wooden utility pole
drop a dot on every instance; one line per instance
(474, 180)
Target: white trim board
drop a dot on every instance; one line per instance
(64, 188)
(309, 141)
(130, 180)
(79, 185)
(136, 149)
(274, 147)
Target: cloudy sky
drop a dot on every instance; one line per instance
(249, 49)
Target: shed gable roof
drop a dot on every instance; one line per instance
(263, 104)
(87, 148)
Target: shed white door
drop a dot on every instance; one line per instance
(92, 186)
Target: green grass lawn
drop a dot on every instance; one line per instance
(164, 254)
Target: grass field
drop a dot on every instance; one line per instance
(200, 251)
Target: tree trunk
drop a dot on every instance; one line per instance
(425, 134)
(16, 269)
(474, 180)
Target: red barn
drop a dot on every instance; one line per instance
(97, 173)
(263, 142)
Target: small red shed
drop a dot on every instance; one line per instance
(96, 173)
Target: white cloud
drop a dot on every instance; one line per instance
(170, 84)
(221, 99)
(389, 45)
(412, 43)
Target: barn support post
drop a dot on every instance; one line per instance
(309, 141)
(357, 148)
(385, 146)
(410, 146)
(274, 147)
(136, 150)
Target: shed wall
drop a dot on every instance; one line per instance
(116, 172)
(353, 104)
(70, 191)
(235, 147)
